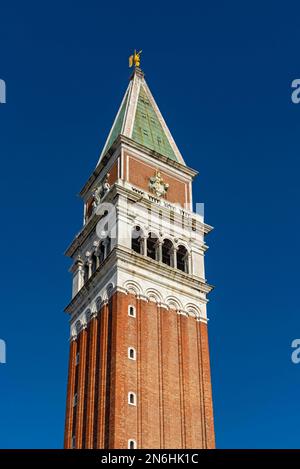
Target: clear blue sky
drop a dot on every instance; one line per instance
(221, 74)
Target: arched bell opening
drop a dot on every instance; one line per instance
(182, 259)
(167, 250)
(152, 246)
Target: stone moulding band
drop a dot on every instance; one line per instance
(79, 322)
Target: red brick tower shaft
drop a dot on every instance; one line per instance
(139, 372)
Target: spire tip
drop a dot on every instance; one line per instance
(135, 59)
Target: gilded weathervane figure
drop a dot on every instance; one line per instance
(135, 59)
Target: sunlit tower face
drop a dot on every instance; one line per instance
(139, 373)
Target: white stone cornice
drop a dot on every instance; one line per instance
(84, 321)
(124, 262)
(122, 290)
(126, 190)
(182, 313)
(140, 296)
(204, 320)
(151, 265)
(163, 305)
(94, 314)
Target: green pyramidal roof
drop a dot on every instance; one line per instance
(147, 129)
(139, 119)
(117, 126)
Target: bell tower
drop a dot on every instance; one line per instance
(139, 372)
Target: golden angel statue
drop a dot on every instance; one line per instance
(135, 59)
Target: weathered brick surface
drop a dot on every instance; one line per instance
(191, 384)
(70, 394)
(140, 172)
(81, 389)
(148, 385)
(171, 379)
(207, 392)
(90, 379)
(103, 350)
(113, 173)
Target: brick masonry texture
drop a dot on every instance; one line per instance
(139, 174)
(170, 377)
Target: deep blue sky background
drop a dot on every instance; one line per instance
(221, 74)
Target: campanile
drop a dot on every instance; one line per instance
(139, 372)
